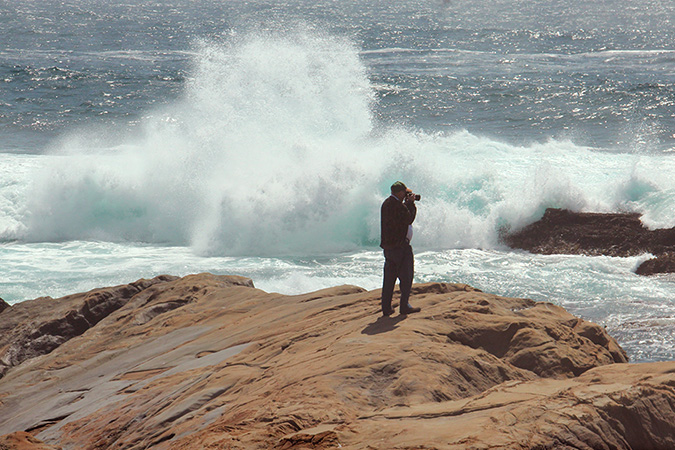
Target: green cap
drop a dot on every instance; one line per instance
(398, 186)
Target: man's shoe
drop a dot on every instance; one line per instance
(388, 313)
(410, 310)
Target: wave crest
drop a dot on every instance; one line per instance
(273, 150)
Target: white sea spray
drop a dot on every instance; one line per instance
(273, 150)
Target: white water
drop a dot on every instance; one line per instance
(273, 150)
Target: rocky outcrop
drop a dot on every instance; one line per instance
(234, 367)
(562, 231)
(610, 407)
(663, 263)
(37, 327)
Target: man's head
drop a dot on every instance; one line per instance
(399, 190)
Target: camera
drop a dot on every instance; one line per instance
(417, 197)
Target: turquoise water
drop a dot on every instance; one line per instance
(259, 138)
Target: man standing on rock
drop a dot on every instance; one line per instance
(396, 217)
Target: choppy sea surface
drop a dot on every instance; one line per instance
(259, 138)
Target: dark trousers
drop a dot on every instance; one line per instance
(398, 264)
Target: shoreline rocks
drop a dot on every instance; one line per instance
(33, 328)
(209, 361)
(663, 263)
(561, 231)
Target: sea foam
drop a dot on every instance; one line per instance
(273, 149)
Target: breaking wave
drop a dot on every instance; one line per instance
(273, 149)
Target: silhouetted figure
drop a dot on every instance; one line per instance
(396, 217)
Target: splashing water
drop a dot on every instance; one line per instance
(273, 150)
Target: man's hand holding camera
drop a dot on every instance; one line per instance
(412, 197)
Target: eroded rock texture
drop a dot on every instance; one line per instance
(211, 362)
(37, 327)
(21, 440)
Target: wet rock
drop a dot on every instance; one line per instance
(562, 231)
(663, 263)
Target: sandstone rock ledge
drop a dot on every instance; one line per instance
(209, 361)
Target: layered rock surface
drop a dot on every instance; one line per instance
(37, 327)
(21, 440)
(561, 231)
(211, 362)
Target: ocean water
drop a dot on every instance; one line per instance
(259, 138)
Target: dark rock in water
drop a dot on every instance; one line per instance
(664, 263)
(562, 231)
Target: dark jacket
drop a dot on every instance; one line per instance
(395, 216)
